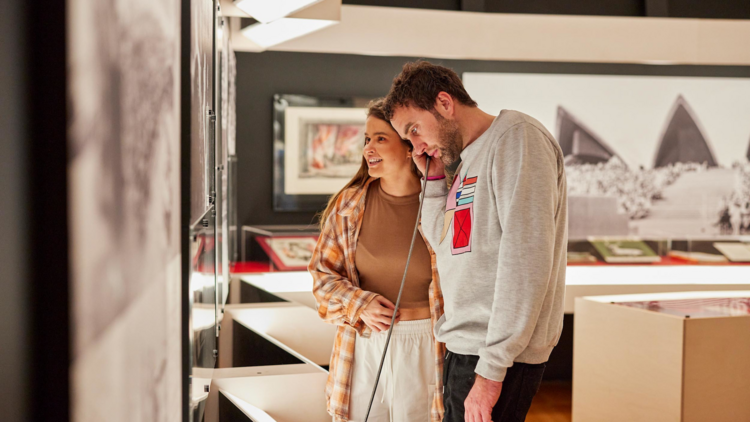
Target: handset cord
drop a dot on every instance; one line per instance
(401, 289)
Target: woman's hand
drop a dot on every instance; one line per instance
(377, 315)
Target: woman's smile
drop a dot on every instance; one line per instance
(374, 161)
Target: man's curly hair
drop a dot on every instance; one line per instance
(419, 84)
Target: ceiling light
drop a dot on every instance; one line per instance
(268, 11)
(285, 29)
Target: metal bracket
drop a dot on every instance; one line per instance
(210, 153)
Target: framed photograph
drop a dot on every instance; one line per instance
(318, 146)
(645, 155)
(289, 253)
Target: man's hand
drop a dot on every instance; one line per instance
(436, 164)
(377, 315)
(481, 399)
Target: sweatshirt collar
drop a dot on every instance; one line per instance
(468, 152)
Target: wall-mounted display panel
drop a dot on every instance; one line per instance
(124, 217)
(202, 58)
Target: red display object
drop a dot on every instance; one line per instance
(250, 267)
(288, 253)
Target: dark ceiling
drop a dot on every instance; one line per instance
(713, 9)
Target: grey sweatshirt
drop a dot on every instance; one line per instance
(502, 256)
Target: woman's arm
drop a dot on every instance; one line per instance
(339, 301)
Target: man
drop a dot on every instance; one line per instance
(500, 234)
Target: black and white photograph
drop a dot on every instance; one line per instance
(650, 156)
(124, 179)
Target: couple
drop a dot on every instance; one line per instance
(497, 237)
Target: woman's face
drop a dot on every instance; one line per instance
(384, 151)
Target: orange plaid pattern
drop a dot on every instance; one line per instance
(341, 301)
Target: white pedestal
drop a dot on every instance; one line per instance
(633, 364)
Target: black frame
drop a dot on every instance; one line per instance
(281, 200)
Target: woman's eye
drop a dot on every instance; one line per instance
(413, 131)
(381, 139)
(367, 140)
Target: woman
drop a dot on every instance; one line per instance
(357, 267)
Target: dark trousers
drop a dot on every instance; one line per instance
(521, 384)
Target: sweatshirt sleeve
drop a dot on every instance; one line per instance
(525, 171)
(433, 210)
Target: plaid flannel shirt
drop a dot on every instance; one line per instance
(341, 301)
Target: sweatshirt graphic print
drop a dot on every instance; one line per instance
(459, 212)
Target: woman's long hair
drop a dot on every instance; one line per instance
(374, 109)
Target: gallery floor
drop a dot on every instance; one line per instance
(553, 403)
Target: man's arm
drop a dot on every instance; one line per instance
(433, 209)
(525, 179)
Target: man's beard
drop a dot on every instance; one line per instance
(450, 142)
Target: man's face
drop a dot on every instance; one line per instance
(429, 133)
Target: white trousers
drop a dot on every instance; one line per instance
(407, 383)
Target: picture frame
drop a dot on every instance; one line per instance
(318, 146)
(289, 253)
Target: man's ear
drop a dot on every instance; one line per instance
(444, 104)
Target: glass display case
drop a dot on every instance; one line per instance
(724, 250)
(289, 248)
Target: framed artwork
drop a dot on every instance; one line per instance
(647, 156)
(289, 253)
(318, 146)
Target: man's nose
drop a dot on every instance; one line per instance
(419, 147)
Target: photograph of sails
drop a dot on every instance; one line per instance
(648, 156)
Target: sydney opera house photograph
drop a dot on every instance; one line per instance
(645, 156)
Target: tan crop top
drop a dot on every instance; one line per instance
(383, 246)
